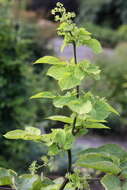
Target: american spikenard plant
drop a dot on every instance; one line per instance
(88, 111)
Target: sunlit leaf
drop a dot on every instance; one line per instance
(94, 45)
(61, 101)
(99, 162)
(61, 118)
(68, 81)
(80, 107)
(50, 60)
(45, 94)
(30, 133)
(95, 125)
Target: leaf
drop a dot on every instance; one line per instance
(111, 109)
(45, 94)
(33, 130)
(7, 177)
(57, 72)
(94, 45)
(95, 125)
(93, 69)
(80, 107)
(69, 140)
(15, 134)
(50, 60)
(112, 150)
(78, 72)
(30, 133)
(26, 182)
(124, 186)
(124, 167)
(53, 150)
(101, 109)
(98, 161)
(111, 182)
(61, 101)
(61, 118)
(89, 68)
(69, 81)
(60, 137)
(68, 76)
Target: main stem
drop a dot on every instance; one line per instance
(66, 180)
(73, 129)
(77, 89)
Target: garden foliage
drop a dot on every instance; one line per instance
(18, 47)
(114, 84)
(88, 111)
(110, 13)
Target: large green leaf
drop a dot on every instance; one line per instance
(69, 81)
(61, 101)
(57, 71)
(7, 177)
(114, 151)
(94, 45)
(30, 133)
(45, 94)
(99, 162)
(80, 106)
(111, 182)
(68, 76)
(101, 109)
(88, 68)
(50, 60)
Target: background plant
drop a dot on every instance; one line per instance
(110, 13)
(18, 48)
(87, 111)
(113, 82)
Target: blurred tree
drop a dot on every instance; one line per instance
(111, 13)
(18, 80)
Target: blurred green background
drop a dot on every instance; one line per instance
(26, 34)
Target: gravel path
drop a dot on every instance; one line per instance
(95, 141)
